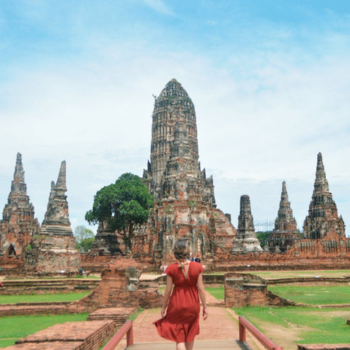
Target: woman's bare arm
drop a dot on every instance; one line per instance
(168, 289)
(201, 292)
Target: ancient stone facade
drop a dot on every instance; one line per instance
(55, 249)
(106, 241)
(323, 214)
(184, 197)
(18, 225)
(245, 240)
(285, 231)
(121, 287)
(242, 290)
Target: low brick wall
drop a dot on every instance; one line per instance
(250, 290)
(54, 308)
(121, 287)
(118, 315)
(309, 280)
(43, 286)
(207, 279)
(88, 335)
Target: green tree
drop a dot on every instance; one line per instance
(122, 205)
(85, 237)
(263, 237)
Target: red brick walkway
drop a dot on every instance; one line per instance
(221, 324)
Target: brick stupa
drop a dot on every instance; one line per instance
(245, 240)
(18, 224)
(55, 250)
(285, 231)
(184, 197)
(323, 214)
(106, 240)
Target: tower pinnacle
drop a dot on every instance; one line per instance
(285, 231)
(184, 201)
(61, 180)
(18, 225)
(323, 214)
(19, 172)
(245, 240)
(172, 106)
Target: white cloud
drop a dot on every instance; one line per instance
(159, 6)
(261, 120)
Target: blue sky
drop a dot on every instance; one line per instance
(270, 81)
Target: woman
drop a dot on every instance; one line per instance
(180, 323)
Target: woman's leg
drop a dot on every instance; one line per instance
(189, 346)
(180, 346)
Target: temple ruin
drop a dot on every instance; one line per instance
(245, 240)
(323, 214)
(184, 196)
(106, 240)
(285, 231)
(55, 249)
(18, 225)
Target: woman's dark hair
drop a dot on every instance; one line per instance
(182, 249)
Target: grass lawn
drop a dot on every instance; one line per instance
(303, 273)
(218, 293)
(286, 274)
(16, 327)
(287, 326)
(134, 316)
(11, 299)
(316, 295)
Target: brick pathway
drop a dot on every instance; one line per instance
(221, 324)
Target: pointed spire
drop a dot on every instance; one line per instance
(18, 186)
(19, 172)
(284, 195)
(52, 192)
(284, 187)
(57, 209)
(323, 214)
(245, 240)
(245, 219)
(285, 220)
(321, 183)
(173, 88)
(61, 180)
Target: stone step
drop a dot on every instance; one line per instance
(203, 344)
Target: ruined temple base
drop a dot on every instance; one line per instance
(68, 336)
(53, 255)
(118, 315)
(121, 288)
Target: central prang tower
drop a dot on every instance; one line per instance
(184, 200)
(172, 105)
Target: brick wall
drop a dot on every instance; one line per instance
(120, 287)
(249, 290)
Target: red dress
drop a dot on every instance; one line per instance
(181, 322)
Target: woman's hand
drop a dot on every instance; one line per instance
(162, 312)
(205, 314)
